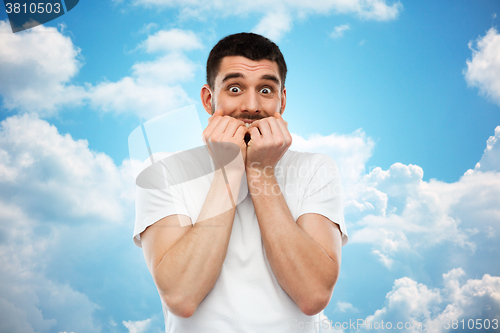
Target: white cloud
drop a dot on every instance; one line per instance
(40, 63)
(36, 67)
(174, 40)
(412, 302)
(351, 152)
(344, 307)
(147, 28)
(408, 302)
(15, 319)
(154, 86)
(396, 212)
(379, 10)
(132, 96)
(278, 16)
(21, 299)
(490, 161)
(483, 70)
(274, 25)
(338, 31)
(476, 299)
(141, 326)
(53, 176)
(51, 186)
(29, 301)
(165, 70)
(384, 259)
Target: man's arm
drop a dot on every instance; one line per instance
(304, 255)
(185, 262)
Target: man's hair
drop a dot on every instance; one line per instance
(249, 45)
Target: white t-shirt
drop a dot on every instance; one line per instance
(247, 297)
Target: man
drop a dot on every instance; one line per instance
(269, 263)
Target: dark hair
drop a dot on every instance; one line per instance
(249, 45)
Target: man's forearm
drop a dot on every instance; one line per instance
(188, 271)
(302, 267)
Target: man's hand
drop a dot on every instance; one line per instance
(270, 140)
(224, 129)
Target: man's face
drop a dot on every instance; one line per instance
(245, 89)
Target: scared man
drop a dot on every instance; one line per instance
(269, 261)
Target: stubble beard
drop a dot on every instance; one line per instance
(257, 117)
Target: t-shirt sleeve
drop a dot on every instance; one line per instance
(323, 192)
(151, 205)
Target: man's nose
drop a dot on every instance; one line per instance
(251, 103)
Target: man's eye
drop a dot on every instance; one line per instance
(265, 90)
(234, 89)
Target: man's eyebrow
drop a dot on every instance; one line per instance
(272, 78)
(231, 76)
(263, 77)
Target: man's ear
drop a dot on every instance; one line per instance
(206, 98)
(283, 100)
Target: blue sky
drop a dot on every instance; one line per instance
(405, 96)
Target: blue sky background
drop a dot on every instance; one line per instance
(405, 96)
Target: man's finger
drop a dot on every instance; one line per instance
(211, 127)
(218, 112)
(283, 126)
(254, 134)
(233, 126)
(276, 130)
(213, 121)
(221, 126)
(240, 132)
(278, 115)
(264, 127)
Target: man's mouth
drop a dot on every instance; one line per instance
(247, 124)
